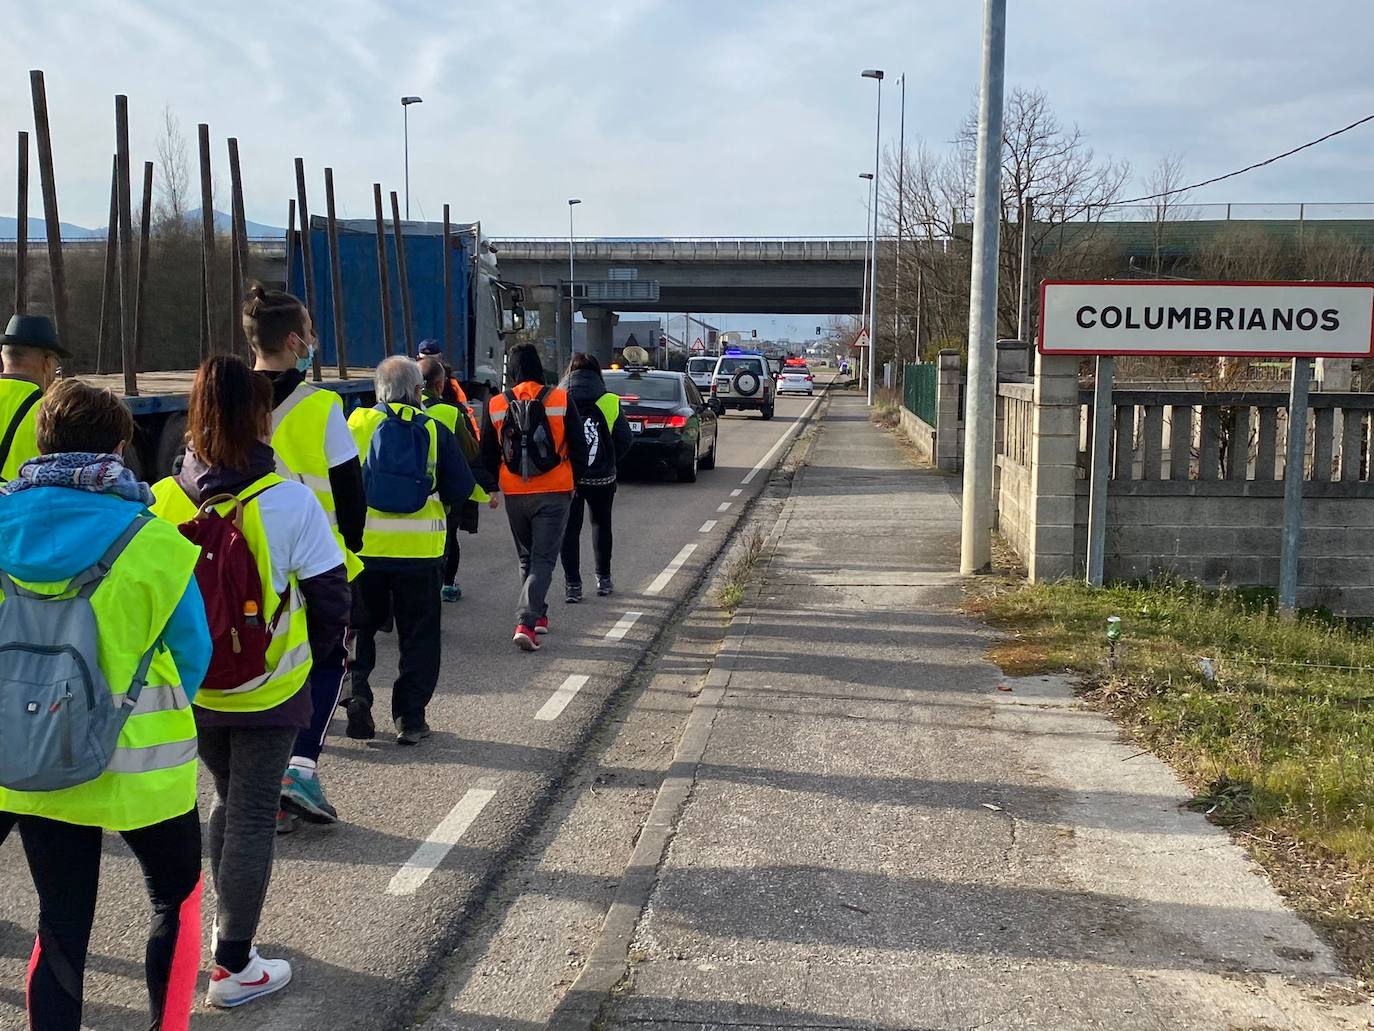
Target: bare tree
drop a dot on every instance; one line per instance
(174, 172)
(1170, 206)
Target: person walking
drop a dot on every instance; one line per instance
(257, 699)
(533, 443)
(608, 439)
(74, 519)
(314, 446)
(31, 356)
(412, 469)
(456, 417)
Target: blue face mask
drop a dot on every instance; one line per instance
(304, 363)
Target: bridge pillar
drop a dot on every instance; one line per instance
(545, 299)
(600, 326)
(565, 334)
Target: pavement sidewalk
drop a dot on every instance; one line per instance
(877, 837)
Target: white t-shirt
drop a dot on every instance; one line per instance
(298, 534)
(339, 446)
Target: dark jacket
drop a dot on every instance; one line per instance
(606, 445)
(573, 437)
(327, 597)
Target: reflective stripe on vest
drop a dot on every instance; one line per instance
(288, 653)
(299, 425)
(404, 534)
(152, 774)
(557, 479)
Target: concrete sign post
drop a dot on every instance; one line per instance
(1300, 321)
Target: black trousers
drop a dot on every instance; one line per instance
(64, 860)
(410, 595)
(599, 500)
(451, 549)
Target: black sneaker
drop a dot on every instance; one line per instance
(572, 594)
(360, 725)
(604, 586)
(411, 734)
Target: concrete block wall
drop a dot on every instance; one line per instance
(1051, 531)
(949, 437)
(919, 432)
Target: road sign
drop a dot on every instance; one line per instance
(862, 341)
(1150, 317)
(698, 346)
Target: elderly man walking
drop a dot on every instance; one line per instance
(412, 468)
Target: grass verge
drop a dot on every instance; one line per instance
(740, 568)
(886, 414)
(1277, 740)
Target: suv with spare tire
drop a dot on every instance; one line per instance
(743, 380)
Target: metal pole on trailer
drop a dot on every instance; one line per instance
(448, 291)
(335, 275)
(109, 296)
(21, 225)
(207, 244)
(402, 280)
(307, 264)
(126, 249)
(1102, 445)
(1294, 471)
(56, 271)
(238, 234)
(975, 550)
(290, 241)
(383, 272)
(145, 229)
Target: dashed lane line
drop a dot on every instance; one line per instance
(661, 581)
(622, 626)
(558, 701)
(724, 506)
(427, 858)
(737, 492)
(708, 526)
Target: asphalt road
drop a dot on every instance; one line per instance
(367, 910)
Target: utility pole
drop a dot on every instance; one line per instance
(877, 75)
(901, 218)
(975, 551)
(1023, 326)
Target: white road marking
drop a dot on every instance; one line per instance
(737, 492)
(708, 526)
(431, 853)
(661, 581)
(559, 700)
(749, 477)
(622, 627)
(724, 506)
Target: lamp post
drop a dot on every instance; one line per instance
(877, 75)
(868, 256)
(405, 117)
(572, 274)
(901, 218)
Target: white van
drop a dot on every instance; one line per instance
(700, 371)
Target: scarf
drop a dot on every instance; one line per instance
(81, 470)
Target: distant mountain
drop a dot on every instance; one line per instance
(9, 228)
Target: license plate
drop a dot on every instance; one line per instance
(636, 427)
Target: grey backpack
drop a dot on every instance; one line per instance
(59, 723)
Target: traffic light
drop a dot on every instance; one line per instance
(754, 333)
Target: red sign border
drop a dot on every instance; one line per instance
(1099, 352)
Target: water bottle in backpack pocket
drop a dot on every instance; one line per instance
(59, 723)
(396, 472)
(527, 444)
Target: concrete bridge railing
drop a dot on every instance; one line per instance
(692, 249)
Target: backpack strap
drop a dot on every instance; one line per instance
(85, 582)
(8, 441)
(544, 392)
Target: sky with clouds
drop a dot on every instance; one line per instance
(673, 117)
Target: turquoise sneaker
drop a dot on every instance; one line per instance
(304, 797)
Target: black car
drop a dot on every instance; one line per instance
(671, 423)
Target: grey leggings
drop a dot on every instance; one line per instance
(247, 766)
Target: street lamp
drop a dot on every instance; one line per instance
(868, 253)
(572, 274)
(405, 116)
(877, 75)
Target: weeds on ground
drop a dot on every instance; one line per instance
(740, 568)
(1270, 720)
(886, 414)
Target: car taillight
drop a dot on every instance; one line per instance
(810, 379)
(672, 422)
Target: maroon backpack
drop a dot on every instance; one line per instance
(227, 575)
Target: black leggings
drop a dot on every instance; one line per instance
(64, 860)
(599, 500)
(452, 551)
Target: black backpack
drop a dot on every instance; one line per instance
(527, 446)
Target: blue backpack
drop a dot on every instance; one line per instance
(396, 473)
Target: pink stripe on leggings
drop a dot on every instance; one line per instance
(28, 981)
(181, 979)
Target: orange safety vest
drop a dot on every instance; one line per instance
(458, 389)
(557, 479)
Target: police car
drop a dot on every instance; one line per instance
(672, 424)
(743, 380)
(795, 377)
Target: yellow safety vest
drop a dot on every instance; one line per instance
(152, 774)
(288, 653)
(24, 445)
(448, 415)
(401, 535)
(298, 430)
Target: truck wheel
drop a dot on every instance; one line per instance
(171, 442)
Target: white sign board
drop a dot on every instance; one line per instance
(863, 339)
(1150, 317)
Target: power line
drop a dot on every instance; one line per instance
(1247, 168)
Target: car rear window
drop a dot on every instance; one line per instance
(700, 364)
(729, 366)
(646, 388)
(795, 370)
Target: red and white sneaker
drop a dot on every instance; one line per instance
(260, 977)
(526, 638)
(541, 625)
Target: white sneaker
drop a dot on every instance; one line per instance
(260, 977)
